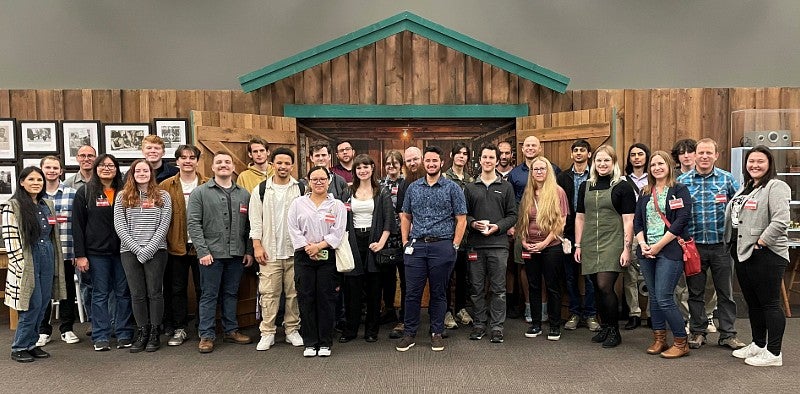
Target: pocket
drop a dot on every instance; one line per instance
(756, 231)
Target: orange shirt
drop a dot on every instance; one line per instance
(109, 195)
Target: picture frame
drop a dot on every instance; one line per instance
(29, 161)
(77, 133)
(8, 149)
(173, 131)
(38, 136)
(8, 181)
(124, 140)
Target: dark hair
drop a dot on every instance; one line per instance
(458, 146)
(317, 145)
(771, 171)
(628, 165)
(343, 142)
(95, 187)
(491, 147)
(190, 148)
(327, 173)
(687, 145)
(282, 151)
(373, 180)
(257, 140)
(581, 143)
(27, 219)
(396, 155)
(434, 149)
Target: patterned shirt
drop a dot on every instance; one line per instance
(62, 200)
(708, 205)
(434, 207)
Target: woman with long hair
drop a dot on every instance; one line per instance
(35, 269)
(543, 212)
(662, 216)
(393, 164)
(603, 236)
(142, 213)
(97, 249)
(756, 222)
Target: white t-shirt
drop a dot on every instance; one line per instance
(280, 226)
(362, 212)
(187, 190)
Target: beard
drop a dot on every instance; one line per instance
(412, 176)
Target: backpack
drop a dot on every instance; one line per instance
(262, 187)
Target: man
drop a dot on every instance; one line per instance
(432, 226)
(636, 176)
(181, 253)
(571, 180)
(62, 197)
(219, 226)
(269, 231)
(86, 156)
(153, 152)
(506, 159)
(711, 189)
(683, 153)
(319, 153)
(259, 168)
(345, 153)
(491, 211)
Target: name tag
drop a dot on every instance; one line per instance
(61, 219)
(676, 203)
(526, 255)
(51, 220)
(394, 190)
(472, 256)
(101, 202)
(347, 206)
(330, 218)
(147, 204)
(409, 250)
(242, 208)
(721, 199)
(751, 205)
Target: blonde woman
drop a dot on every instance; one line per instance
(542, 213)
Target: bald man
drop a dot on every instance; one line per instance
(531, 149)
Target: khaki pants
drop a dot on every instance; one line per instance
(630, 284)
(273, 278)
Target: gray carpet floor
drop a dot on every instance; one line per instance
(573, 365)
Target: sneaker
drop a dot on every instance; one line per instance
(124, 343)
(294, 339)
(572, 323)
(711, 327)
(178, 337)
(463, 317)
(310, 352)
(437, 342)
(477, 333)
(44, 339)
(101, 346)
(765, 359)
(555, 333)
(592, 323)
(265, 342)
(397, 331)
(497, 336)
(528, 318)
(748, 351)
(70, 337)
(731, 342)
(324, 352)
(696, 340)
(533, 332)
(406, 343)
(449, 321)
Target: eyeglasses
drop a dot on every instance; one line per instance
(541, 169)
(90, 156)
(318, 180)
(348, 149)
(107, 166)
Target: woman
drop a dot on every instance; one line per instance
(391, 183)
(142, 215)
(543, 212)
(603, 236)
(662, 216)
(317, 224)
(370, 218)
(35, 269)
(97, 249)
(756, 223)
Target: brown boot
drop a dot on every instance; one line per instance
(659, 342)
(679, 349)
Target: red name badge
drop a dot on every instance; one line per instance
(61, 219)
(147, 204)
(51, 220)
(676, 203)
(721, 198)
(472, 256)
(347, 206)
(526, 255)
(751, 205)
(102, 202)
(242, 208)
(330, 218)
(394, 190)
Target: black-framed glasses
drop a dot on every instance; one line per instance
(318, 180)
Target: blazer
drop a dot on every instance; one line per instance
(178, 233)
(678, 219)
(769, 221)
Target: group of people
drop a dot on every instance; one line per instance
(530, 229)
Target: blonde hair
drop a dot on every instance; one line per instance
(616, 173)
(548, 208)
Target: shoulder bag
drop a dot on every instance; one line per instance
(344, 255)
(691, 257)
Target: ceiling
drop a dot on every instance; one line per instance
(393, 129)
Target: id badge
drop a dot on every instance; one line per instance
(147, 203)
(472, 256)
(394, 190)
(102, 202)
(61, 219)
(51, 220)
(322, 255)
(751, 205)
(330, 218)
(242, 208)
(721, 199)
(409, 250)
(526, 255)
(676, 203)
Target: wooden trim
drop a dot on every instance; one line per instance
(406, 111)
(568, 133)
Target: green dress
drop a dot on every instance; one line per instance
(601, 243)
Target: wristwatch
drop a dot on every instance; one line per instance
(455, 246)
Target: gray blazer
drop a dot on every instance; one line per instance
(769, 221)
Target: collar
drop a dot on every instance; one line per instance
(585, 172)
(638, 178)
(270, 184)
(424, 180)
(498, 179)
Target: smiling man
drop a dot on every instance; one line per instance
(153, 152)
(259, 168)
(86, 155)
(345, 154)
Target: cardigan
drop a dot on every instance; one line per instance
(383, 219)
(178, 234)
(262, 212)
(678, 218)
(769, 221)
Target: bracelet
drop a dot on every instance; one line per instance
(577, 245)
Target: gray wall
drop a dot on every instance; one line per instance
(208, 44)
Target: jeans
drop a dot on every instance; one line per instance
(67, 309)
(491, 264)
(661, 275)
(572, 274)
(219, 281)
(276, 278)
(316, 283)
(29, 321)
(180, 266)
(146, 283)
(108, 277)
(431, 262)
(550, 264)
(716, 258)
(760, 278)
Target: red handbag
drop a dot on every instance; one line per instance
(691, 257)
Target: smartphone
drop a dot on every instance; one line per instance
(322, 255)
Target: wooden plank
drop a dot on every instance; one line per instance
(237, 134)
(643, 117)
(23, 104)
(157, 104)
(567, 133)
(589, 99)
(340, 82)
(217, 100)
(499, 86)
(58, 104)
(545, 99)
(577, 100)
(694, 113)
(265, 100)
(380, 72)
(44, 104)
(473, 81)
(367, 78)
(185, 102)
(436, 93)
(130, 106)
(513, 88)
(459, 82)
(102, 103)
(394, 70)
(408, 67)
(283, 94)
(420, 81)
(681, 113)
(352, 76)
(244, 102)
(5, 103)
(486, 76)
(325, 82)
(528, 93)
(312, 86)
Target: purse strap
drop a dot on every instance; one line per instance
(654, 197)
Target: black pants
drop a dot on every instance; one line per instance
(760, 278)
(178, 311)
(354, 289)
(550, 264)
(316, 282)
(66, 308)
(146, 283)
(460, 280)
(388, 277)
(606, 298)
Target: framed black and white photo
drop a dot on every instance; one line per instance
(31, 163)
(124, 140)
(173, 132)
(7, 147)
(39, 136)
(8, 182)
(78, 133)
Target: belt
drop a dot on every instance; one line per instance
(363, 230)
(430, 239)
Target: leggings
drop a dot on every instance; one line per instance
(606, 298)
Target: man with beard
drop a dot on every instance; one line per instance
(345, 154)
(506, 159)
(259, 168)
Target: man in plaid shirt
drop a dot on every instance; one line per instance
(62, 197)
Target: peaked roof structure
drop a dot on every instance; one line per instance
(404, 21)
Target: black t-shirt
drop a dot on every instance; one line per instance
(622, 195)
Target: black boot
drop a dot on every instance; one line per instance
(613, 339)
(154, 343)
(141, 339)
(602, 334)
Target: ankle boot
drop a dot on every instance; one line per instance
(679, 349)
(142, 334)
(659, 342)
(601, 335)
(613, 339)
(154, 343)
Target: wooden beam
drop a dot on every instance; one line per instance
(405, 111)
(213, 133)
(562, 133)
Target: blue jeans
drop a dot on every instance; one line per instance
(432, 262)
(572, 273)
(29, 321)
(661, 275)
(224, 275)
(108, 277)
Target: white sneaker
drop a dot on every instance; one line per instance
(449, 322)
(310, 352)
(748, 351)
(765, 359)
(324, 352)
(70, 337)
(44, 339)
(178, 337)
(528, 318)
(294, 338)
(464, 317)
(711, 327)
(266, 342)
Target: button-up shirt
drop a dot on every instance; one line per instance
(309, 223)
(708, 208)
(42, 214)
(577, 179)
(62, 200)
(434, 207)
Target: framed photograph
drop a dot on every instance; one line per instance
(123, 170)
(7, 147)
(39, 136)
(173, 132)
(124, 140)
(8, 181)
(78, 133)
(31, 163)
